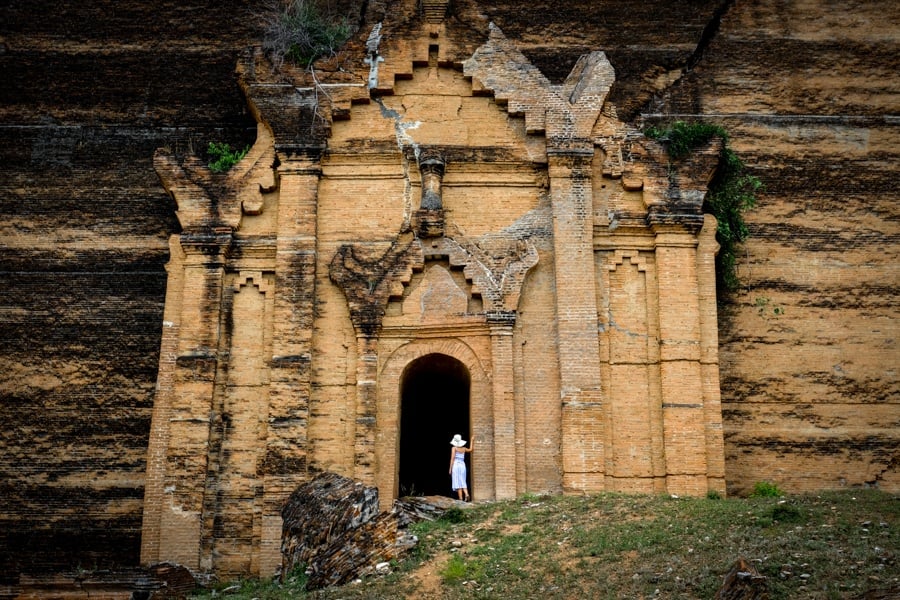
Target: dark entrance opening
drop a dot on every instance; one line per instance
(434, 393)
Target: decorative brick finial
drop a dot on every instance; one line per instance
(430, 216)
(431, 166)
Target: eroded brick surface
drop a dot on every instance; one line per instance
(808, 387)
(448, 220)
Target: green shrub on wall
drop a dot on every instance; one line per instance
(731, 192)
(222, 157)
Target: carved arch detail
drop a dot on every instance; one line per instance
(370, 280)
(498, 280)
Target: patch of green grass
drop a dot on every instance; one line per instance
(459, 569)
(828, 545)
(454, 515)
(261, 589)
(785, 513)
(766, 489)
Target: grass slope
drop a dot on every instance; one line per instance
(828, 545)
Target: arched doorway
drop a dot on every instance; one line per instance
(434, 391)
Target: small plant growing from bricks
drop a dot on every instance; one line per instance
(731, 192)
(301, 31)
(222, 157)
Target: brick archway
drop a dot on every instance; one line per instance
(434, 405)
(390, 384)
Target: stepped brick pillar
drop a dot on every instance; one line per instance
(680, 371)
(579, 355)
(685, 248)
(368, 284)
(366, 399)
(285, 461)
(180, 526)
(709, 355)
(501, 325)
(158, 445)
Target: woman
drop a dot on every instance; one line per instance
(458, 467)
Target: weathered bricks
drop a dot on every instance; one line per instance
(385, 317)
(808, 393)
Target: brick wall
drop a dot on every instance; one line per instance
(809, 394)
(809, 389)
(90, 91)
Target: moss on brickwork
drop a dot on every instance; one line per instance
(731, 192)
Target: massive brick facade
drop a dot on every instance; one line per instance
(807, 346)
(451, 221)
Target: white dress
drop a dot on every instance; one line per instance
(459, 471)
